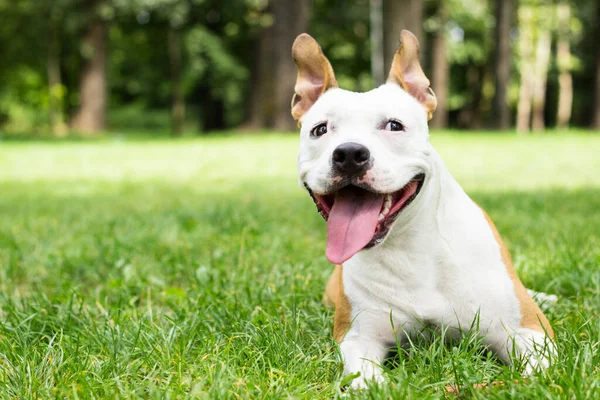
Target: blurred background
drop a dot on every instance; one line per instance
(173, 67)
(154, 240)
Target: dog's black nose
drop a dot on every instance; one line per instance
(351, 157)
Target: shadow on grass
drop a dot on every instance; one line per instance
(553, 235)
(129, 135)
(100, 137)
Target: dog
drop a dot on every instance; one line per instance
(411, 249)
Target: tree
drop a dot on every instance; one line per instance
(376, 36)
(292, 18)
(274, 70)
(526, 69)
(596, 99)
(93, 87)
(502, 61)
(440, 68)
(174, 17)
(398, 15)
(261, 101)
(563, 59)
(469, 50)
(535, 47)
(540, 78)
(55, 86)
(178, 100)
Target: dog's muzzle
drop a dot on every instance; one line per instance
(359, 218)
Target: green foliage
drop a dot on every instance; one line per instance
(219, 51)
(129, 82)
(343, 33)
(137, 117)
(21, 100)
(209, 58)
(195, 269)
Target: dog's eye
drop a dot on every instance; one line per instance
(394, 125)
(319, 130)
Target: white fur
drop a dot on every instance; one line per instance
(440, 265)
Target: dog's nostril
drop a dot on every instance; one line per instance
(362, 155)
(350, 157)
(339, 156)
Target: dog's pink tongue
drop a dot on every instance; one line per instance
(351, 223)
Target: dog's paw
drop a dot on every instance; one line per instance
(535, 350)
(544, 300)
(360, 381)
(535, 365)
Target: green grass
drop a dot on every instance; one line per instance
(195, 268)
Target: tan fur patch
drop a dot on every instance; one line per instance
(531, 315)
(315, 74)
(332, 288)
(335, 297)
(406, 71)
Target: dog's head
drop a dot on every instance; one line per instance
(363, 156)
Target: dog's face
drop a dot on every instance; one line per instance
(387, 124)
(363, 156)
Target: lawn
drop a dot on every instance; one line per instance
(195, 268)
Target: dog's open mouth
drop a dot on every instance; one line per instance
(358, 219)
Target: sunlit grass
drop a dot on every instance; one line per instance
(195, 268)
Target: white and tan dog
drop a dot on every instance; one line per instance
(409, 245)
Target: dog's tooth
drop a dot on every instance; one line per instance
(387, 204)
(388, 201)
(381, 217)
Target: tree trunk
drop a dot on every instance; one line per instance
(398, 15)
(526, 69)
(440, 70)
(469, 117)
(563, 55)
(376, 35)
(178, 100)
(261, 96)
(596, 109)
(93, 92)
(55, 86)
(274, 71)
(292, 18)
(504, 18)
(214, 113)
(542, 61)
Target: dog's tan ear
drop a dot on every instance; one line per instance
(315, 74)
(407, 72)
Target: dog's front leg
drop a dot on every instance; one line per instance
(362, 355)
(532, 347)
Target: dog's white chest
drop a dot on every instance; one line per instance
(434, 274)
(403, 299)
